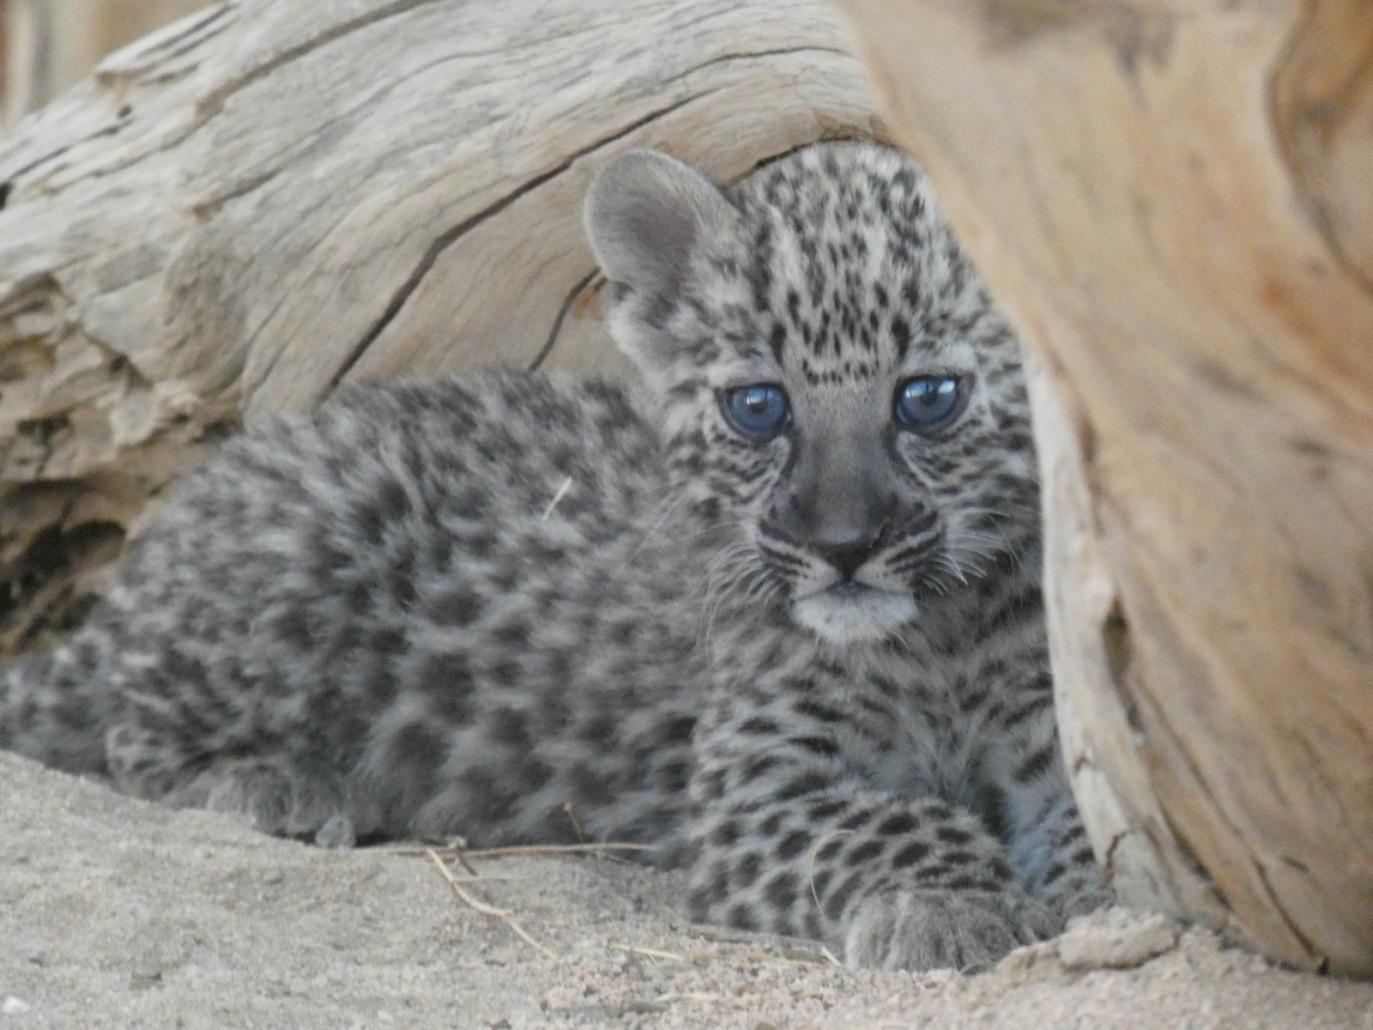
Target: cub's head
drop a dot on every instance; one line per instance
(838, 394)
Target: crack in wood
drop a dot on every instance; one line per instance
(774, 52)
(206, 209)
(53, 155)
(179, 44)
(563, 310)
(448, 239)
(570, 300)
(210, 206)
(452, 235)
(1108, 861)
(214, 101)
(1115, 643)
(1318, 960)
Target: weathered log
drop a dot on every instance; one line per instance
(269, 199)
(1175, 201)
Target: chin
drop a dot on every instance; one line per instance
(841, 617)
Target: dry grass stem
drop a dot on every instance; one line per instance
(793, 949)
(478, 905)
(523, 850)
(576, 823)
(481, 878)
(653, 953)
(810, 859)
(461, 857)
(696, 996)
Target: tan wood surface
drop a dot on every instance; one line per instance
(1174, 199)
(275, 197)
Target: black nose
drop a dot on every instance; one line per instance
(847, 556)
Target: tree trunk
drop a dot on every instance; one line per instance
(268, 199)
(1175, 202)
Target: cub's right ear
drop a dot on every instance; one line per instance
(646, 215)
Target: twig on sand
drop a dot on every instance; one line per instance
(833, 960)
(793, 949)
(653, 953)
(701, 997)
(461, 857)
(477, 904)
(523, 850)
(482, 878)
(535, 850)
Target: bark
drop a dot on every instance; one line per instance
(1172, 199)
(270, 199)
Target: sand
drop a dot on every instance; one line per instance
(117, 913)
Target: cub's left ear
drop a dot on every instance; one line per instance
(646, 215)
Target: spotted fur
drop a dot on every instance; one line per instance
(811, 668)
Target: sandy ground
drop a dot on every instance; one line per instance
(118, 913)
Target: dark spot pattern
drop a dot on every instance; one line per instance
(523, 609)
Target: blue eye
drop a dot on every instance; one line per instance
(929, 403)
(758, 411)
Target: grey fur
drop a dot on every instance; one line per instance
(451, 608)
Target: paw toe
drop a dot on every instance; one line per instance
(922, 930)
(337, 832)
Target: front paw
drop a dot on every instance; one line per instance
(934, 929)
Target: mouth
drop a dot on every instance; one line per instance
(852, 612)
(847, 590)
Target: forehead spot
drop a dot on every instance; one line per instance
(845, 271)
(843, 373)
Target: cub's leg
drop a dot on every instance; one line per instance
(787, 838)
(1047, 843)
(272, 790)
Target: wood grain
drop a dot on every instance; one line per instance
(268, 199)
(1173, 201)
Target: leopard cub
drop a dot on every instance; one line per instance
(775, 609)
